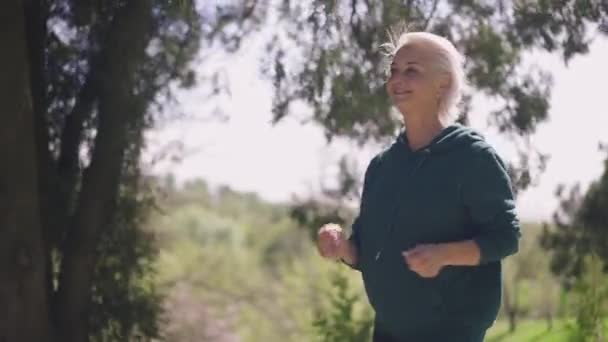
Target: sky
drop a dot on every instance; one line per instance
(292, 158)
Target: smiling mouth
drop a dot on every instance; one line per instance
(402, 92)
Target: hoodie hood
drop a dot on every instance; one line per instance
(452, 137)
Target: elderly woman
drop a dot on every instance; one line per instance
(437, 212)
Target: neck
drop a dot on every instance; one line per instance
(422, 128)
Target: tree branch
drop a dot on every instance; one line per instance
(68, 168)
(36, 14)
(430, 16)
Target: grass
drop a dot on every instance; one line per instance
(529, 331)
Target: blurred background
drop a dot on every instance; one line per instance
(175, 159)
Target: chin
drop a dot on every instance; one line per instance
(402, 103)
(402, 109)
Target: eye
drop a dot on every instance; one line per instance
(410, 71)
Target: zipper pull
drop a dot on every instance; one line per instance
(378, 255)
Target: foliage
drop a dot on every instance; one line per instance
(580, 229)
(327, 55)
(236, 267)
(125, 301)
(241, 265)
(340, 323)
(529, 289)
(591, 302)
(529, 330)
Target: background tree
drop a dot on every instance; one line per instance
(590, 302)
(327, 55)
(546, 298)
(81, 83)
(529, 288)
(239, 264)
(580, 228)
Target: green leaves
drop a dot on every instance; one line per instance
(261, 281)
(328, 56)
(590, 302)
(558, 25)
(491, 59)
(581, 228)
(341, 322)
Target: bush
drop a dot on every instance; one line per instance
(591, 298)
(341, 323)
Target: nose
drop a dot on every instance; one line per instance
(399, 83)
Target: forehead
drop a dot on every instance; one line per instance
(414, 52)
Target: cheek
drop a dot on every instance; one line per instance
(390, 85)
(398, 82)
(427, 90)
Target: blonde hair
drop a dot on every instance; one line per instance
(448, 60)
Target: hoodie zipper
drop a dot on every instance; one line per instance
(425, 154)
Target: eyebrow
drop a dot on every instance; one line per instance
(408, 63)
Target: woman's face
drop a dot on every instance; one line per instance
(414, 84)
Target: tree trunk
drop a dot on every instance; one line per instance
(122, 53)
(510, 306)
(512, 321)
(23, 298)
(36, 30)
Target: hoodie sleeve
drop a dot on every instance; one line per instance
(488, 196)
(368, 179)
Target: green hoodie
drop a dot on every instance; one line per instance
(454, 189)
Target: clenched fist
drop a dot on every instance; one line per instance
(331, 241)
(426, 260)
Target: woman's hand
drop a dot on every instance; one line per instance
(331, 242)
(426, 260)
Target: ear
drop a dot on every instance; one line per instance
(444, 83)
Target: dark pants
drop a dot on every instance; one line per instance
(455, 336)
